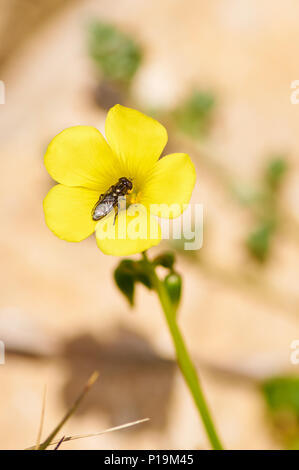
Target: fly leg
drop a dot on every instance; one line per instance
(116, 213)
(121, 205)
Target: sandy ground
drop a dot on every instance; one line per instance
(61, 296)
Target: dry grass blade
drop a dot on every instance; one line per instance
(115, 428)
(41, 424)
(73, 408)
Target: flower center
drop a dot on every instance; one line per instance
(133, 198)
(110, 200)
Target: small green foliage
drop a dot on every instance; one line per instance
(130, 272)
(275, 171)
(282, 398)
(141, 274)
(124, 278)
(127, 274)
(115, 54)
(282, 393)
(165, 259)
(258, 241)
(193, 117)
(263, 203)
(173, 284)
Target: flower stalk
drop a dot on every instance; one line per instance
(183, 358)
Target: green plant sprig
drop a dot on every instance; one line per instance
(169, 293)
(116, 54)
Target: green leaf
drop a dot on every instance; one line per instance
(259, 240)
(282, 398)
(173, 285)
(141, 274)
(165, 259)
(275, 171)
(115, 54)
(281, 393)
(193, 117)
(127, 274)
(124, 279)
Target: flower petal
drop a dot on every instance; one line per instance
(136, 139)
(171, 183)
(68, 212)
(134, 231)
(80, 156)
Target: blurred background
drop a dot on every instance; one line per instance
(218, 75)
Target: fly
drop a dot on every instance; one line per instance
(109, 200)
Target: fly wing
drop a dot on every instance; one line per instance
(103, 207)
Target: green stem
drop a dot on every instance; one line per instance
(183, 358)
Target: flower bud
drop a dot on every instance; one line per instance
(173, 284)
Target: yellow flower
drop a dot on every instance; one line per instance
(86, 166)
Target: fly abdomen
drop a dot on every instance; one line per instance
(103, 207)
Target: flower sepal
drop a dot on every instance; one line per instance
(166, 260)
(131, 272)
(127, 274)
